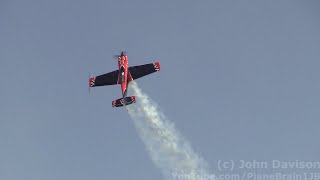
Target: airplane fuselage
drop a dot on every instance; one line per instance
(123, 74)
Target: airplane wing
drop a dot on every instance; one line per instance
(142, 70)
(110, 78)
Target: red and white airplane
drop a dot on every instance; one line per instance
(123, 76)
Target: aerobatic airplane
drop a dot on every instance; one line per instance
(123, 76)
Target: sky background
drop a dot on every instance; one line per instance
(239, 79)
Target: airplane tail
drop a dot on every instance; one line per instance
(124, 101)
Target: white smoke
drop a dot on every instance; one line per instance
(169, 151)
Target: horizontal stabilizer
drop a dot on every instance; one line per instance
(123, 101)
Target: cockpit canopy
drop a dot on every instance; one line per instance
(122, 75)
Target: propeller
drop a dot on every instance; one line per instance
(123, 53)
(116, 56)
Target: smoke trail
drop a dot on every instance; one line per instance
(168, 150)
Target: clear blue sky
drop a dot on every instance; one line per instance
(239, 79)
